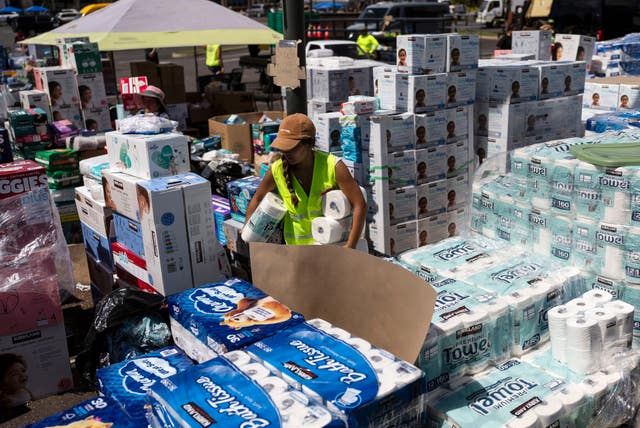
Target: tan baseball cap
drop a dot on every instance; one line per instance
(293, 129)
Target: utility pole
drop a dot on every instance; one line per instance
(293, 16)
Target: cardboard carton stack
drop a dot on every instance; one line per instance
(520, 103)
(61, 86)
(150, 221)
(84, 60)
(34, 265)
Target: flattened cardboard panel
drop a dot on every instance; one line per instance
(371, 298)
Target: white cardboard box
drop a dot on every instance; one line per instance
(431, 164)
(601, 96)
(328, 131)
(632, 92)
(463, 51)
(43, 354)
(97, 119)
(457, 191)
(551, 80)
(576, 47)
(398, 168)
(512, 83)
(392, 133)
(574, 76)
(431, 198)
(93, 94)
(431, 230)
(422, 53)
(537, 43)
(315, 107)
(507, 121)
(430, 129)
(48, 78)
(94, 213)
(377, 73)
(331, 85)
(148, 156)
(461, 88)
(36, 99)
(456, 222)
(457, 127)
(360, 81)
(394, 91)
(120, 193)
(426, 92)
(457, 157)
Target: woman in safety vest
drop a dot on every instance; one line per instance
(302, 176)
(214, 59)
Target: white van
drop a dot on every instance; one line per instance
(493, 12)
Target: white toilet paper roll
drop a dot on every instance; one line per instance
(379, 359)
(319, 323)
(255, 371)
(526, 420)
(607, 320)
(402, 372)
(595, 386)
(597, 297)
(360, 344)
(336, 205)
(549, 412)
(579, 305)
(290, 402)
(313, 417)
(583, 345)
(558, 317)
(613, 263)
(624, 315)
(239, 358)
(327, 230)
(264, 219)
(294, 383)
(273, 385)
(571, 397)
(338, 333)
(612, 376)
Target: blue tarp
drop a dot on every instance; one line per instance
(327, 5)
(10, 9)
(36, 9)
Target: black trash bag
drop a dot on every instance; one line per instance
(219, 174)
(127, 323)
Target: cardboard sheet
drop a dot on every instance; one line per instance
(369, 297)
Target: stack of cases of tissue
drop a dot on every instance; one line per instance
(234, 390)
(588, 330)
(420, 156)
(95, 412)
(571, 211)
(127, 383)
(518, 394)
(359, 383)
(225, 316)
(491, 303)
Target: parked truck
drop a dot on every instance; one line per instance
(493, 13)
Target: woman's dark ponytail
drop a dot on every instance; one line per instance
(288, 180)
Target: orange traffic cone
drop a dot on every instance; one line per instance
(326, 32)
(309, 34)
(318, 33)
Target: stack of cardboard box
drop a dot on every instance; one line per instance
(61, 86)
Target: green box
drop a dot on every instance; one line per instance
(82, 57)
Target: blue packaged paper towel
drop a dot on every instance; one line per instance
(127, 383)
(231, 314)
(351, 377)
(240, 394)
(99, 412)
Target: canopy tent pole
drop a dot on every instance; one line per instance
(195, 62)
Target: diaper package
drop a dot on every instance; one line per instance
(470, 329)
(230, 315)
(361, 384)
(127, 383)
(97, 411)
(236, 391)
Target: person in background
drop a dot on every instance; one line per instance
(504, 43)
(153, 101)
(301, 176)
(152, 55)
(367, 43)
(214, 59)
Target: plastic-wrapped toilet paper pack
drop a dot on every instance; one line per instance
(352, 377)
(230, 315)
(190, 344)
(127, 383)
(610, 242)
(233, 394)
(452, 253)
(470, 329)
(101, 411)
(554, 169)
(597, 282)
(506, 395)
(265, 219)
(632, 255)
(631, 296)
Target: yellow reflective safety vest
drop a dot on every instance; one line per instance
(297, 221)
(213, 58)
(367, 43)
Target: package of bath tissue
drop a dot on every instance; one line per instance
(470, 329)
(97, 411)
(360, 383)
(326, 230)
(127, 382)
(265, 219)
(233, 392)
(449, 254)
(505, 396)
(230, 315)
(189, 343)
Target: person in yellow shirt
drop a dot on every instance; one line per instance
(367, 43)
(214, 59)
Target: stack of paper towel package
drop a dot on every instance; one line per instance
(409, 142)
